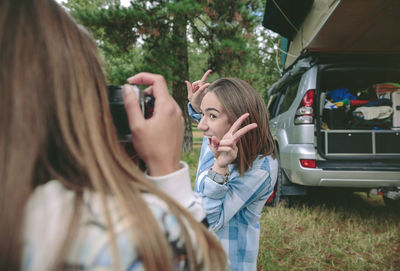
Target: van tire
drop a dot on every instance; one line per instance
(282, 179)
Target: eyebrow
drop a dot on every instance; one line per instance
(212, 109)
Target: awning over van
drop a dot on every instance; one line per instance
(360, 26)
(347, 26)
(285, 17)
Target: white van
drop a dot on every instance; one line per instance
(335, 111)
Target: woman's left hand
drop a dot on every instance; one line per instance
(197, 90)
(225, 150)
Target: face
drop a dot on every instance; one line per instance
(215, 121)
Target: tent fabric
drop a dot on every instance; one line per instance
(342, 27)
(313, 23)
(286, 16)
(360, 26)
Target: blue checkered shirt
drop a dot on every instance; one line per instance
(233, 210)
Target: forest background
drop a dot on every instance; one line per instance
(181, 39)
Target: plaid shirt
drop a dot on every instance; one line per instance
(233, 210)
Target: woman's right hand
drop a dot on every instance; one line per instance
(225, 150)
(157, 140)
(196, 91)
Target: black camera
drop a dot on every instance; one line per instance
(118, 112)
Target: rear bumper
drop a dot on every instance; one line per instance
(367, 174)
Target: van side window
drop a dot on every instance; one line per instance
(273, 104)
(289, 97)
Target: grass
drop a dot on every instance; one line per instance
(192, 158)
(328, 230)
(339, 231)
(197, 136)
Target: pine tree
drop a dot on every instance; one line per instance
(154, 36)
(161, 26)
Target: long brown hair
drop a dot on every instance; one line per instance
(238, 97)
(55, 124)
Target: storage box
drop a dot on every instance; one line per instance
(336, 118)
(387, 142)
(349, 143)
(381, 143)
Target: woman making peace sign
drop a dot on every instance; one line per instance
(237, 168)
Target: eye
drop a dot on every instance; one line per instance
(212, 116)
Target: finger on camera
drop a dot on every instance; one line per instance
(157, 81)
(149, 90)
(132, 107)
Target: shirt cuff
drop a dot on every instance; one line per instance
(178, 186)
(193, 114)
(214, 190)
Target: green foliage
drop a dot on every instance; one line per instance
(235, 43)
(181, 39)
(198, 62)
(111, 26)
(191, 158)
(141, 37)
(118, 69)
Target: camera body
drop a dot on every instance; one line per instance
(118, 113)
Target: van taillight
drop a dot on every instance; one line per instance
(308, 163)
(308, 99)
(305, 112)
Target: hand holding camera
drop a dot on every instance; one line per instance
(158, 139)
(117, 108)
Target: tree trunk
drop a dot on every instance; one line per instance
(181, 73)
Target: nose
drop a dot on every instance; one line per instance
(202, 124)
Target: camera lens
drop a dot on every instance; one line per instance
(118, 112)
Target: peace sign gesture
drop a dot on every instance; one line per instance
(225, 151)
(196, 91)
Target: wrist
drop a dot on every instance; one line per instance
(195, 107)
(217, 177)
(223, 170)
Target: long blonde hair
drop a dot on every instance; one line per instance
(55, 124)
(238, 97)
